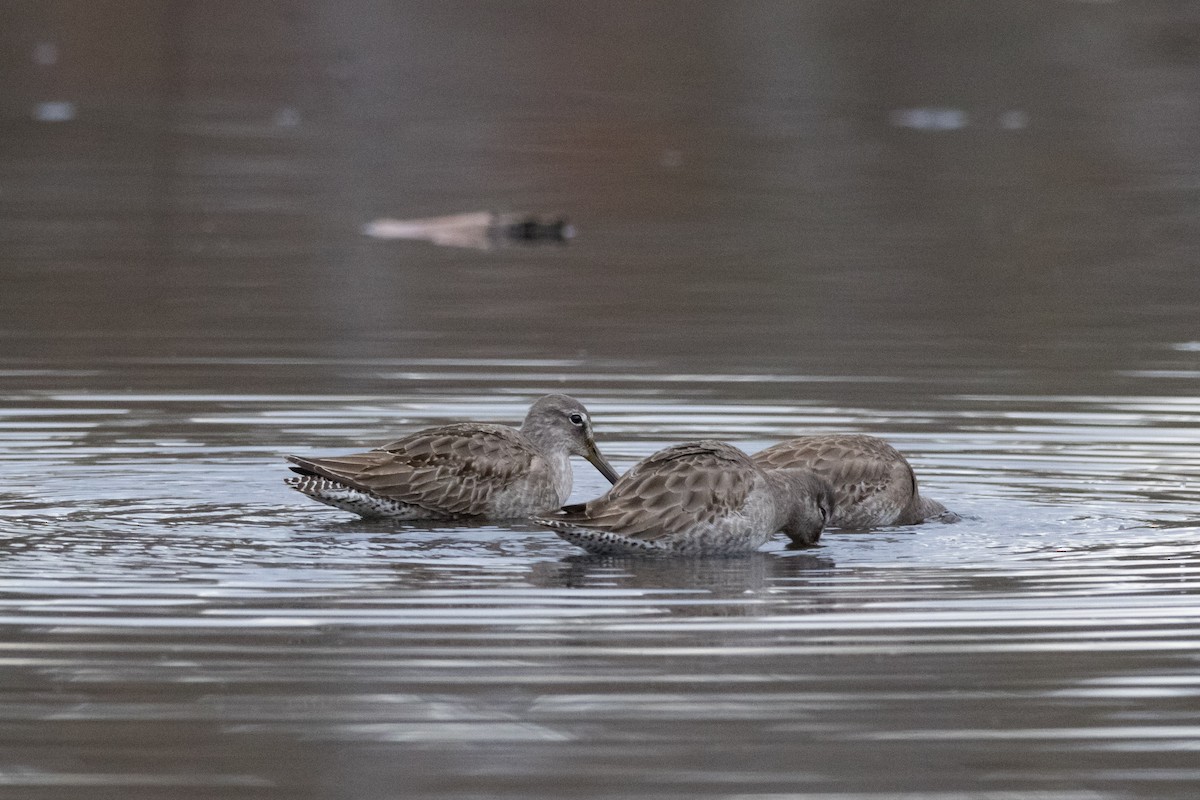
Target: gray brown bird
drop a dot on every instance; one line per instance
(697, 498)
(873, 484)
(468, 469)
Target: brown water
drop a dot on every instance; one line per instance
(969, 228)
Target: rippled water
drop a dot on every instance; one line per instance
(970, 231)
(177, 621)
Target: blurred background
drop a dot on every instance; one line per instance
(941, 192)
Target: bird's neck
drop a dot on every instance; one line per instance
(557, 455)
(784, 495)
(544, 440)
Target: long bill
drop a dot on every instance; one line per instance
(597, 461)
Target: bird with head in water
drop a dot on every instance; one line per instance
(462, 470)
(873, 484)
(697, 498)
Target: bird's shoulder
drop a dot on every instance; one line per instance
(477, 447)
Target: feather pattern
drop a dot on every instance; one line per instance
(701, 497)
(464, 469)
(672, 491)
(453, 471)
(873, 484)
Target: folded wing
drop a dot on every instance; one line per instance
(454, 469)
(676, 489)
(858, 467)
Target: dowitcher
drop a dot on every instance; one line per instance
(468, 469)
(697, 498)
(873, 483)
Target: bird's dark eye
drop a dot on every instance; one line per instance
(576, 419)
(824, 513)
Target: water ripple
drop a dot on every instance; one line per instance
(158, 576)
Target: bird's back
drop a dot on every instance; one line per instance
(679, 489)
(464, 469)
(872, 481)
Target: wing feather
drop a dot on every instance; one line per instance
(453, 469)
(670, 492)
(860, 467)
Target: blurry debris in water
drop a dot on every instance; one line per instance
(54, 111)
(45, 54)
(930, 119)
(952, 119)
(671, 159)
(477, 229)
(531, 229)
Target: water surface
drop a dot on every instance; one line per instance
(968, 231)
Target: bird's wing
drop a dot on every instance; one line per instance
(858, 467)
(454, 469)
(670, 492)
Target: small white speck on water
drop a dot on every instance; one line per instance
(287, 117)
(54, 111)
(45, 54)
(1014, 120)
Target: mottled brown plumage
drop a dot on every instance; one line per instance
(873, 484)
(696, 498)
(467, 469)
